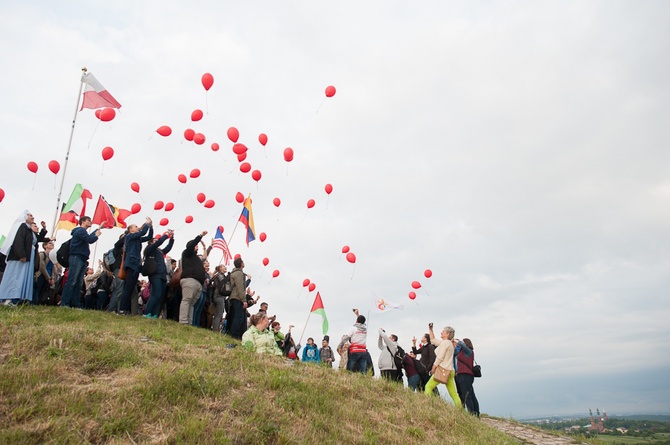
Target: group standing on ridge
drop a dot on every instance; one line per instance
(187, 292)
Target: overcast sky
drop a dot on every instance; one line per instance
(519, 150)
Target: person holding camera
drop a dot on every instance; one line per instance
(444, 358)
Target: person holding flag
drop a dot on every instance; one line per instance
(132, 263)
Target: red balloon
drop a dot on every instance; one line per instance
(189, 134)
(199, 138)
(134, 186)
(237, 255)
(242, 156)
(233, 134)
(97, 113)
(262, 236)
(239, 197)
(416, 284)
(329, 189)
(288, 154)
(209, 203)
(188, 219)
(169, 206)
(54, 166)
(330, 91)
(256, 175)
(107, 114)
(345, 249)
(310, 203)
(305, 282)
(195, 173)
(207, 81)
(201, 197)
(196, 115)
(238, 149)
(221, 228)
(351, 257)
(164, 222)
(263, 139)
(266, 261)
(245, 167)
(275, 273)
(427, 273)
(136, 208)
(164, 131)
(107, 153)
(182, 178)
(276, 202)
(158, 205)
(2, 195)
(215, 146)
(311, 287)
(412, 295)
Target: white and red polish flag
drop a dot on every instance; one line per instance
(95, 95)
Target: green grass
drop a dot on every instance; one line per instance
(132, 380)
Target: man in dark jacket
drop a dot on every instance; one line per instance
(158, 279)
(79, 253)
(193, 277)
(132, 261)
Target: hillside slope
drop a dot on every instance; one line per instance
(132, 380)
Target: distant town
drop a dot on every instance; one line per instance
(654, 428)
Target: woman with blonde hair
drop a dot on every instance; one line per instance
(444, 358)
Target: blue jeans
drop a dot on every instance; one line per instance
(197, 309)
(101, 301)
(117, 290)
(237, 318)
(413, 382)
(128, 286)
(158, 287)
(360, 359)
(75, 279)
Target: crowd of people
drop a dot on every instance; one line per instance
(186, 291)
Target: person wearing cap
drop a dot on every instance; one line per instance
(326, 353)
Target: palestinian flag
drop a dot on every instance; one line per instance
(74, 208)
(317, 308)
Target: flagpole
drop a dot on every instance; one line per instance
(67, 154)
(303, 329)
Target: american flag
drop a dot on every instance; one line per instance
(220, 243)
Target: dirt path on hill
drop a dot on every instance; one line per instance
(526, 434)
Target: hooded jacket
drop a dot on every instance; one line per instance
(357, 336)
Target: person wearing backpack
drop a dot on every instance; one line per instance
(387, 363)
(465, 377)
(132, 262)
(77, 261)
(115, 267)
(157, 279)
(222, 289)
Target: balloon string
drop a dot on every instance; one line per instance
(34, 181)
(354, 271)
(299, 293)
(94, 130)
(424, 289)
(319, 107)
(206, 102)
(102, 172)
(303, 218)
(327, 201)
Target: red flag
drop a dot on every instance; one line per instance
(95, 95)
(103, 214)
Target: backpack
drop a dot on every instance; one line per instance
(421, 370)
(108, 258)
(63, 254)
(397, 358)
(224, 287)
(149, 266)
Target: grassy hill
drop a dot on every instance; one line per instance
(133, 380)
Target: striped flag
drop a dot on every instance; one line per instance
(95, 95)
(220, 243)
(247, 218)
